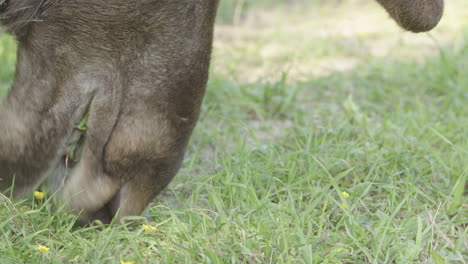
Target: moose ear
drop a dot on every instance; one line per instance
(415, 15)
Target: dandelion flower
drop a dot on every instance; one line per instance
(149, 229)
(39, 195)
(42, 249)
(126, 262)
(344, 206)
(346, 195)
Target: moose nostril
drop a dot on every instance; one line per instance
(103, 214)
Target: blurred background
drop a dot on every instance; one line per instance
(307, 99)
(316, 37)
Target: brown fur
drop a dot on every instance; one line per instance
(415, 15)
(139, 68)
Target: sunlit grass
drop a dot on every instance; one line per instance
(297, 114)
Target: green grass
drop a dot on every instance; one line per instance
(295, 114)
(7, 61)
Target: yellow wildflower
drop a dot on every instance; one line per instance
(39, 195)
(346, 195)
(149, 229)
(42, 249)
(344, 206)
(126, 262)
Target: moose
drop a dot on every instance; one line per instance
(136, 70)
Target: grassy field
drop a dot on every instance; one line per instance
(305, 102)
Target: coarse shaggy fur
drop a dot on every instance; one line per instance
(16, 15)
